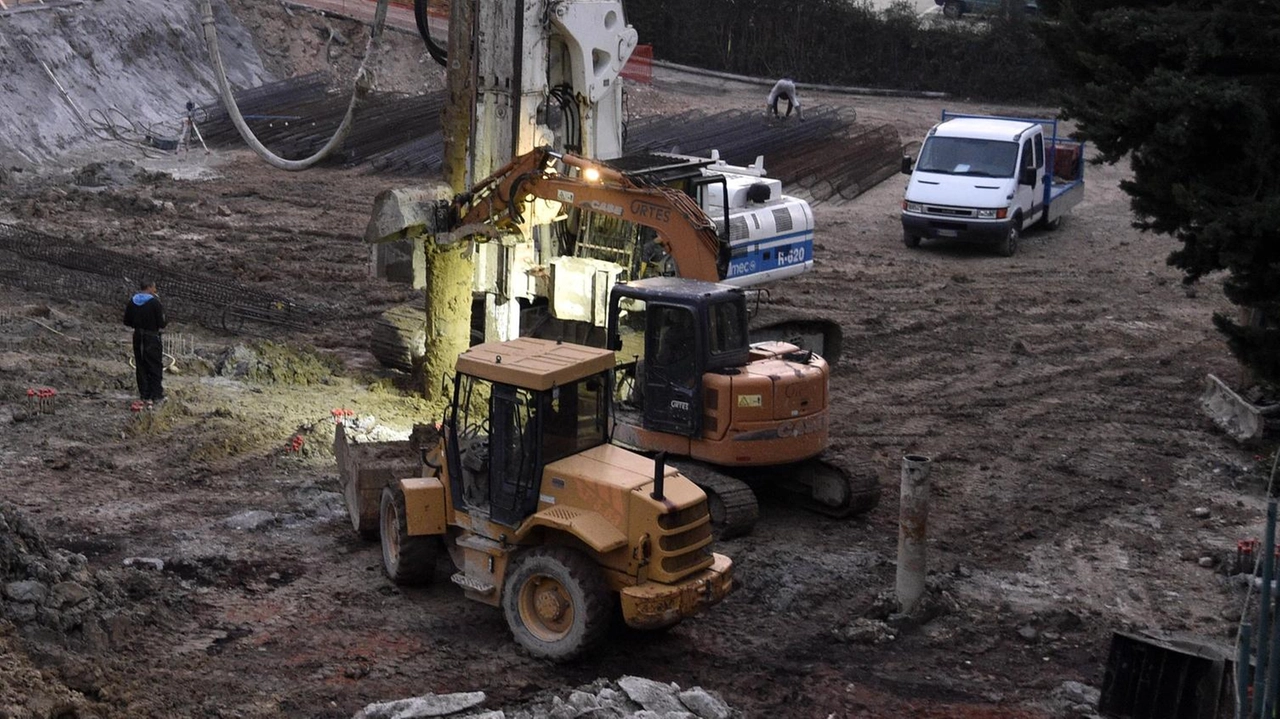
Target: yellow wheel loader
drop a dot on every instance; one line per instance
(538, 512)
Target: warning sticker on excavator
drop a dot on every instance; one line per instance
(564, 196)
(750, 400)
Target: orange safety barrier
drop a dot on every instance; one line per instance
(640, 67)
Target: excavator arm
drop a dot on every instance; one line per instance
(683, 229)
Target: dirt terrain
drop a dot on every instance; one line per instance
(1055, 391)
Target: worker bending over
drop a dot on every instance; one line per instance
(786, 87)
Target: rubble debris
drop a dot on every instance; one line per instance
(53, 589)
(629, 697)
(867, 631)
(154, 564)
(427, 705)
(252, 520)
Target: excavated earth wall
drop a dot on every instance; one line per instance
(127, 64)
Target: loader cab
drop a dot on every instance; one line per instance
(518, 406)
(674, 331)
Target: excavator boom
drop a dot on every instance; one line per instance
(684, 230)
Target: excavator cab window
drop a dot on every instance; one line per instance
(728, 324)
(673, 370)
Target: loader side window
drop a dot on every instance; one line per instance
(575, 418)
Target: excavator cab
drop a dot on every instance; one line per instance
(677, 330)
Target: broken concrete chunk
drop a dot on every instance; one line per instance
(26, 592)
(704, 704)
(68, 594)
(654, 696)
(427, 705)
(252, 520)
(152, 563)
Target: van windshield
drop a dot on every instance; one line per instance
(968, 156)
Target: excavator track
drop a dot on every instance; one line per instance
(733, 505)
(827, 487)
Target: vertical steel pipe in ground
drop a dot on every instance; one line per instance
(1242, 672)
(1263, 645)
(913, 521)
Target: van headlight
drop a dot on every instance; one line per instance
(996, 214)
(912, 206)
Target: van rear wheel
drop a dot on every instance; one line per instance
(556, 603)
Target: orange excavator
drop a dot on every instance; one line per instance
(739, 413)
(683, 230)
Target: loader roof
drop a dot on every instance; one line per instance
(534, 363)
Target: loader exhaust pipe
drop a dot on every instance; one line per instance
(659, 476)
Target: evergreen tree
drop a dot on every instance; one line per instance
(1189, 91)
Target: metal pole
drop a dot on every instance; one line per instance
(913, 521)
(1242, 672)
(1264, 610)
(1273, 664)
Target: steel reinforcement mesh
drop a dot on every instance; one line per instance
(44, 263)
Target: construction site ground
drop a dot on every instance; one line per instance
(1056, 393)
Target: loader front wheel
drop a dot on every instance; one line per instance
(556, 603)
(408, 560)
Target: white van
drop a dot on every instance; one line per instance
(986, 179)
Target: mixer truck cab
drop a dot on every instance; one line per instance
(987, 179)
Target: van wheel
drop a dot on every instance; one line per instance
(408, 560)
(952, 9)
(556, 603)
(1008, 247)
(910, 240)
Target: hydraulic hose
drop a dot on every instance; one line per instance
(421, 16)
(363, 83)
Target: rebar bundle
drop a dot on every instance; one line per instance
(826, 157)
(41, 262)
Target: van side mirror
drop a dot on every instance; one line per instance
(1027, 176)
(908, 163)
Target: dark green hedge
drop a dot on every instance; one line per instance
(847, 43)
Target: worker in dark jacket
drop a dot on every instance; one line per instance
(145, 315)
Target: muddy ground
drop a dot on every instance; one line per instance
(1055, 391)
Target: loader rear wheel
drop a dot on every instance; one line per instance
(408, 560)
(556, 603)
